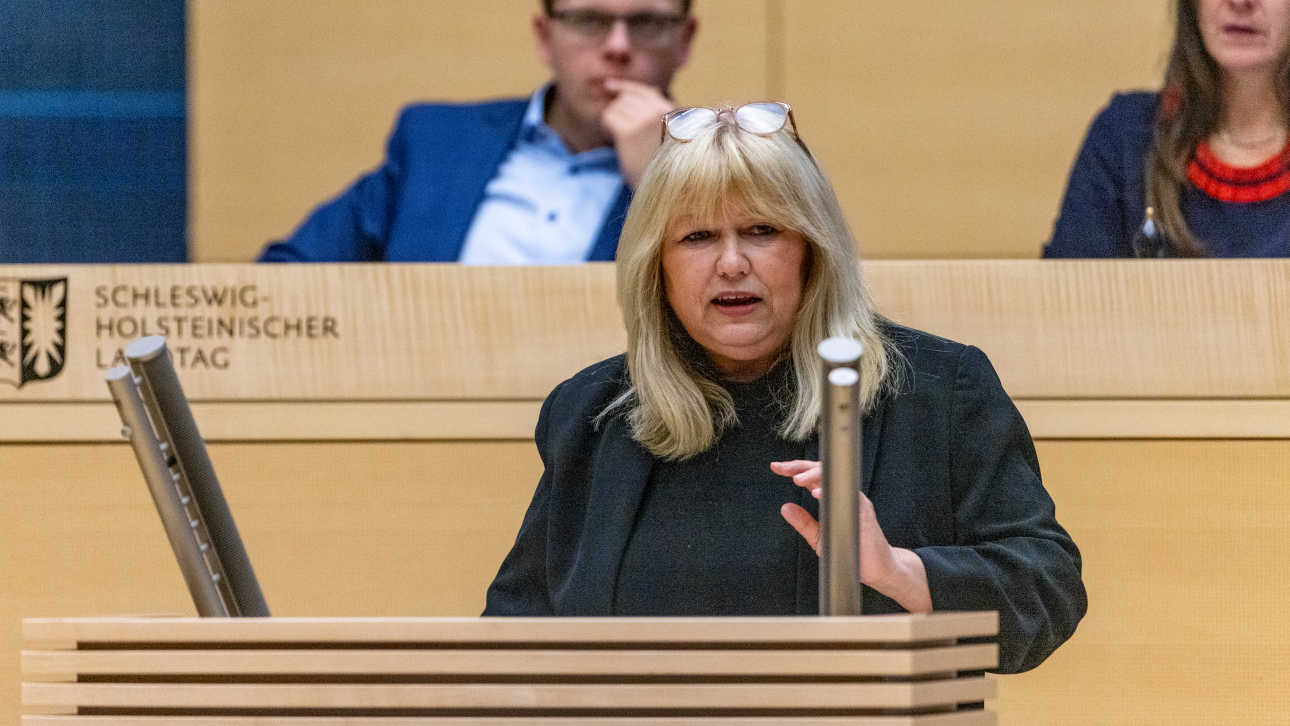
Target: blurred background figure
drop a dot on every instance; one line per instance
(93, 151)
(1208, 155)
(540, 180)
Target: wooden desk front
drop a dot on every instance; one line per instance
(899, 670)
(382, 470)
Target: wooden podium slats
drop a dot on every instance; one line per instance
(614, 696)
(889, 669)
(503, 662)
(593, 632)
(958, 718)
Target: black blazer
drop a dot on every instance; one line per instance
(948, 463)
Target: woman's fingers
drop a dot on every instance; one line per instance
(802, 521)
(789, 468)
(804, 473)
(898, 574)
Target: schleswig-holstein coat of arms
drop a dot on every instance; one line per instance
(33, 329)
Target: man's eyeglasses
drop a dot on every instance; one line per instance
(762, 118)
(644, 29)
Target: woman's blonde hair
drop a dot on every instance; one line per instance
(676, 407)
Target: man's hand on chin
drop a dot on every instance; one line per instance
(633, 119)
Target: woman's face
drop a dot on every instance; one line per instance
(735, 283)
(1245, 35)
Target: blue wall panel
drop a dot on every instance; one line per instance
(93, 151)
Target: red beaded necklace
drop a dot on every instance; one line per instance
(1228, 183)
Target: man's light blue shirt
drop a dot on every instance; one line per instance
(545, 205)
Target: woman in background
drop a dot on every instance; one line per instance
(679, 478)
(1209, 155)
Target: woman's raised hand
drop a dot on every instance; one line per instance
(895, 572)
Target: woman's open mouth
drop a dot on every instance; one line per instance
(732, 300)
(1242, 31)
(735, 302)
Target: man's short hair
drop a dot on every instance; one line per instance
(547, 6)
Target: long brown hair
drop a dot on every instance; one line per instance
(1191, 109)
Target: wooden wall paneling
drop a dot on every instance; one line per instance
(291, 101)
(430, 352)
(342, 529)
(399, 332)
(1084, 329)
(1150, 419)
(1213, 329)
(1182, 540)
(233, 421)
(949, 128)
(1183, 546)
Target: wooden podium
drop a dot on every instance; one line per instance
(877, 670)
(1158, 394)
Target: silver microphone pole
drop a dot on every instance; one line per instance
(172, 455)
(840, 457)
(179, 515)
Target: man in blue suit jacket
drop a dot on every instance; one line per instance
(526, 181)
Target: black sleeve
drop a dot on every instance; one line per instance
(520, 587)
(1009, 554)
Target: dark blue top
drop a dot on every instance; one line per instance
(1106, 197)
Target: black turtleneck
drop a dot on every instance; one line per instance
(708, 537)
